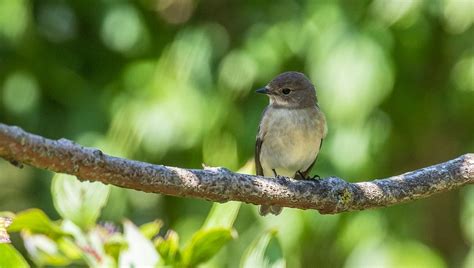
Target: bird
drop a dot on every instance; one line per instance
(291, 130)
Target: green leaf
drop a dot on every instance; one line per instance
(151, 229)
(10, 257)
(205, 244)
(254, 255)
(222, 215)
(114, 245)
(69, 248)
(140, 251)
(36, 221)
(413, 254)
(80, 202)
(43, 250)
(169, 248)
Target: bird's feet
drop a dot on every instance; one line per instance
(277, 176)
(302, 177)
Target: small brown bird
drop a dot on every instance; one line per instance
(291, 130)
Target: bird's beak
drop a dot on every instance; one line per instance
(262, 90)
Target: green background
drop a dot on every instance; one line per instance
(172, 82)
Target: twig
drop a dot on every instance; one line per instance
(328, 196)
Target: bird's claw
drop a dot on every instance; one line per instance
(278, 176)
(308, 178)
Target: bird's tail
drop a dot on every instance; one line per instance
(265, 209)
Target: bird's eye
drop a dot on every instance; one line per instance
(286, 91)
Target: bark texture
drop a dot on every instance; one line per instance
(328, 196)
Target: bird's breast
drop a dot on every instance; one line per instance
(291, 139)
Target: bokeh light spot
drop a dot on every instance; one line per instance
(122, 28)
(57, 22)
(138, 76)
(20, 93)
(237, 71)
(467, 215)
(458, 15)
(265, 47)
(175, 11)
(463, 74)
(13, 18)
(221, 151)
(355, 75)
(219, 38)
(353, 144)
(391, 11)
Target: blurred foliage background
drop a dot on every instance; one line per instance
(172, 82)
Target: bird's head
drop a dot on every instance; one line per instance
(290, 90)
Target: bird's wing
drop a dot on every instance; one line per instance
(258, 146)
(325, 131)
(258, 165)
(308, 170)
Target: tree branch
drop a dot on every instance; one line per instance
(328, 196)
